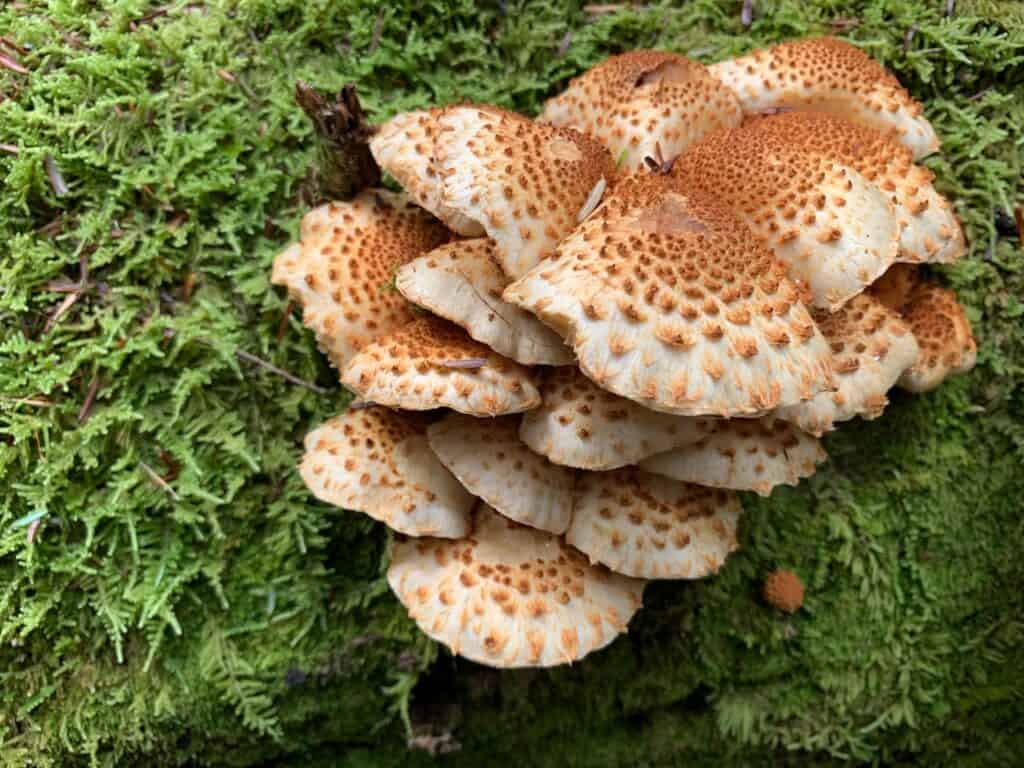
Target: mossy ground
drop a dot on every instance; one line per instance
(226, 618)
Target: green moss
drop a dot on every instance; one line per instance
(229, 619)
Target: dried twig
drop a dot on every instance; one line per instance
(41, 402)
(844, 24)
(599, 9)
(90, 398)
(158, 480)
(251, 358)
(8, 63)
(56, 179)
(949, 7)
(747, 13)
(282, 327)
(909, 37)
(10, 149)
(563, 47)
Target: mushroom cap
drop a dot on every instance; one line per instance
(340, 270)
(944, 335)
(783, 590)
(743, 454)
(653, 527)
(645, 103)
(511, 596)
(527, 183)
(490, 460)
(871, 348)
(668, 300)
(404, 147)
(430, 363)
(378, 462)
(834, 229)
(463, 283)
(823, 74)
(581, 425)
(894, 288)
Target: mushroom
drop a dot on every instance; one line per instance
(340, 269)
(743, 454)
(645, 104)
(871, 347)
(943, 332)
(378, 462)
(784, 590)
(490, 460)
(527, 183)
(462, 282)
(894, 288)
(668, 300)
(823, 74)
(581, 425)
(430, 363)
(511, 596)
(652, 527)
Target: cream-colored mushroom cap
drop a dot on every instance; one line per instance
(744, 454)
(462, 282)
(944, 335)
(668, 300)
(489, 459)
(511, 596)
(578, 424)
(378, 462)
(527, 183)
(341, 270)
(430, 363)
(871, 348)
(895, 287)
(645, 104)
(653, 527)
(823, 74)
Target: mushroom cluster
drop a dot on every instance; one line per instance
(574, 339)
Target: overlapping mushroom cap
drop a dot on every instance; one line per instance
(645, 104)
(944, 335)
(824, 74)
(668, 300)
(511, 596)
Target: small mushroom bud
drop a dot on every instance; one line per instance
(783, 590)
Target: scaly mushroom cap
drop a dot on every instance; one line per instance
(404, 147)
(894, 288)
(931, 231)
(462, 282)
(669, 301)
(430, 363)
(645, 103)
(835, 230)
(784, 590)
(490, 460)
(871, 348)
(943, 333)
(744, 454)
(527, 183)
(378, 462)
(511, 596)
(824, 74)
(341, 270)
(653, 527)
(581, 425)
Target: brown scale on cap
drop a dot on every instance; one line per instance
(645, 103)
(378, 462)
(511, 596)
(783, 590)
(944, 335)
(526, 183)
(430, 363)
(669, 301)
(653, 527)
(894, 288)
(871, 347)
(824, 74)
(341, 269)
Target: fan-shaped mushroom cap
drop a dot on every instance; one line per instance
(943, 333)
(430, 363)
(341, 269)
(581, 425)
(744, 454)
(490, 460)
(378, 462)
(823, 74)
(404, 147)
(653, 527)
(871, 347)
(645, 103)
(894, 288)
(836, 231)
(669, 301)
(511, 596)
(527, 183)
(462, 282)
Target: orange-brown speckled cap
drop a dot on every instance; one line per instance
(944, 335)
